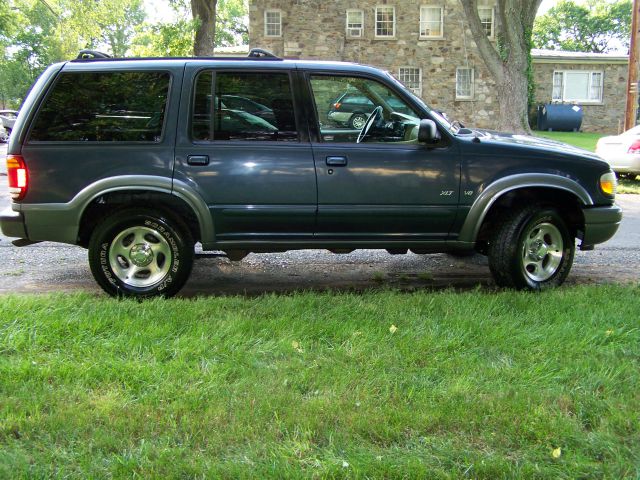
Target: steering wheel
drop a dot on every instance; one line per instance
(370, 121)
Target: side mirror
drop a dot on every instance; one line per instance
(428, 131)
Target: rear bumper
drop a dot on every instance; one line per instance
(12, 224)
(600, 224)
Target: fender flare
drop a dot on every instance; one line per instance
(482, 204)
(72, 211)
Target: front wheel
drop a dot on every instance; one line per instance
(141, 253)
(532, 249)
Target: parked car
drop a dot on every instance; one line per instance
(146, 165)
(353, 109)
(622, 151)
(8, 119)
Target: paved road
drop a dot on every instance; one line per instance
(46, 267)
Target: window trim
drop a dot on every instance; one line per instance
(409, 67)
(346, 27)
(472, 82)
(492, 35)
(375, 31)
(599, 101)
(432, 37)
(266, 24)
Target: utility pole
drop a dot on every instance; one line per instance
(634, 60)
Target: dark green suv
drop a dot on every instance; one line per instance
(139, 159)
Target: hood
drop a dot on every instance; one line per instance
(531, 142)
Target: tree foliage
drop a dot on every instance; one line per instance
(596, 26)
(37, 33)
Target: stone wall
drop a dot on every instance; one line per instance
(604, 117)
(313, 29)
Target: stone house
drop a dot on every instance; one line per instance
(427, 45)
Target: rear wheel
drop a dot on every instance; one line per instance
(531, 249)
(357, 121)
(141, 253)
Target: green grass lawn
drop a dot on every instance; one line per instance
(377, 385)
(577, 139)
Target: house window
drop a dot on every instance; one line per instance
(412, 78)
(431, 21)
(385, 22)
(272, 23)
(355, 23)
(486, 15)
(464, 83)
(577, 86)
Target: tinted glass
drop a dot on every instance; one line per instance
(104, 107)
(246, 106)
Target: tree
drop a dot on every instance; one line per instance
(35, 34)
(596, 26)
(509, 60)
(204, 13)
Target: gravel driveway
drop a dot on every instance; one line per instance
(46, 267)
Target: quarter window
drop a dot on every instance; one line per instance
(464, 83)
(243, 106)
(486, 15)
(385, 22)
(577, 86)
(412, 78)
(431, 21)
(104, 107)
(355, 23)
(272, 23)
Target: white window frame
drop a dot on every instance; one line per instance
(418, 90)
(472, 83)
(423, 22)
(493, 20)
(348, 29)
(393, 10)
(267, 24)
(563, 87)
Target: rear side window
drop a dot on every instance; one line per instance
(104, 107)
(243, 106)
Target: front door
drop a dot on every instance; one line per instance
(244, 149)
(375, 180)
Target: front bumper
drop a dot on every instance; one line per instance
(12, 223)
(600, 224)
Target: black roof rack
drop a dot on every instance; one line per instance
(254, 54)
(89, 54)
(262, 53)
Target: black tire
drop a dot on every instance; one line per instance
(141, 253)
(532, 249)
(357, 121)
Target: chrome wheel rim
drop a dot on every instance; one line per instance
(140, 256)
(542, 252)
(358, 122)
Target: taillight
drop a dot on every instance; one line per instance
(18, 176)
(635, 147)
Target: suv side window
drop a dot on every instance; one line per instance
(246, 106)
(104, 107)
(344, 105)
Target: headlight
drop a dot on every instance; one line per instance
(609, 184)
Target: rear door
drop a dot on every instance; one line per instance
(253, 166)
